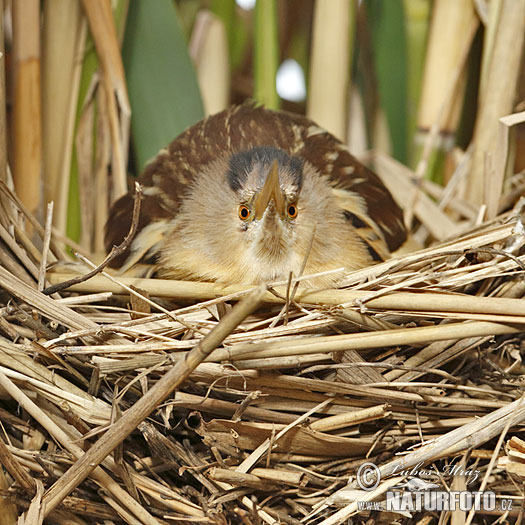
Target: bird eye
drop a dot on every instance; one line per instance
(244, 212)
(292, 211)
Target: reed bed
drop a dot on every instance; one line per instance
(149, 401)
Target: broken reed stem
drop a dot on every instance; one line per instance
(37, 227)
(146, 404)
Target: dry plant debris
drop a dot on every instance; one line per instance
(197, 407)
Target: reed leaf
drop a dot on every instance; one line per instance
(390, 53)
(162, 85)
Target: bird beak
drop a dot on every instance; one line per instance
(270, 190)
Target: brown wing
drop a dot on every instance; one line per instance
(243, 127)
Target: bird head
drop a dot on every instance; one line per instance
(266, 185)
(250, 218)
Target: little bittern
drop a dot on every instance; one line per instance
(249, 195)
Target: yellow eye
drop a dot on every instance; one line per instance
(292, 211)
(244, 212)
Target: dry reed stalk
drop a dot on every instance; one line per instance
(226, 408)
(172, 499)
(443, 59)
(373, 395)
(330, 59)
(45, 248)
(102, 27)
(500, 75)
(84, 149)
(282, 363)
(91, 410)
(208, 49)
(290, 477)
(433, 355)
(19, 252)
(63, 42)
(338, 343)
(16, 212)
(34, 515)
(422, 302)
(27, 136)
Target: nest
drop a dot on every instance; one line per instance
(149, 401)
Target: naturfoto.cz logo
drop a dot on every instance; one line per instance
(420, 494)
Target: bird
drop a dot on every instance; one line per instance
(252, 195)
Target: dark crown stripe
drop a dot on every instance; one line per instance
(242, 163)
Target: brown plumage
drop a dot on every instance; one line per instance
(247, 195)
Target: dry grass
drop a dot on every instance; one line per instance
(183, 406)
